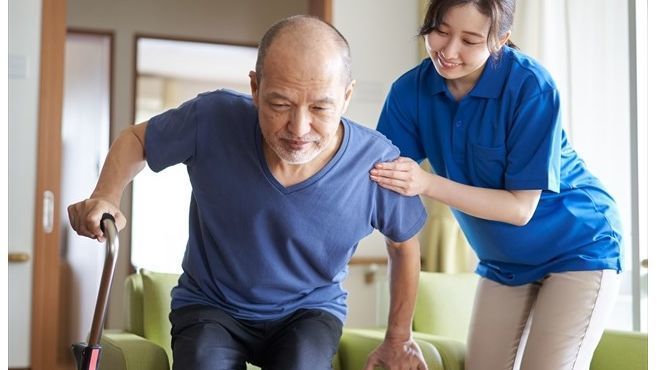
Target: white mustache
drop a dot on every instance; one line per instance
(304, 138)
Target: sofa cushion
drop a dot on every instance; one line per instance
(157, 305)
(127, 351)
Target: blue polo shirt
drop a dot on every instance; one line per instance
(259, 250)
(506, 134)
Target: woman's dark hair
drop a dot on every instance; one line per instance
(500, 13)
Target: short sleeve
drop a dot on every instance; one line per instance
(171, 137)
(396, 216)
(398, 121)
(534, 144)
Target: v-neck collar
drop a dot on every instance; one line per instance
(312, 179)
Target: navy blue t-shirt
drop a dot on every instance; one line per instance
(506, 134)
(259, 250)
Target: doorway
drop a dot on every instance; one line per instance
(85, 142)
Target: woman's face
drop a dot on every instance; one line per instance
(458, 46)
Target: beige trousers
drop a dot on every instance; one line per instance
(552, 324)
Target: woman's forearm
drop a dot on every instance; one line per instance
(515, 207)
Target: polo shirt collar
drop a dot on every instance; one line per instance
(434, 82)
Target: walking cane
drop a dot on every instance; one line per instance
(87, 355)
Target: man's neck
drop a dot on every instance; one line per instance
(288, 174)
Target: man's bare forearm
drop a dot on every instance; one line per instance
(404, 275)
(124, 161)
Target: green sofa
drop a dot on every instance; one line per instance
(440, 327)
(144, 344)
(442, 315)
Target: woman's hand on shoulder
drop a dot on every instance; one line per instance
(403, 175)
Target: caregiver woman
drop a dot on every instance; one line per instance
(546, 231)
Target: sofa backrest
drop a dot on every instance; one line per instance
(621, 350)
(133, 308)
(148, 297)
(444, 304)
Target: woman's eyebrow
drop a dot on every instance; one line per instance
(477, 34)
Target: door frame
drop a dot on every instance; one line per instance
(45, 353)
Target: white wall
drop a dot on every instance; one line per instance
(24, 48)
(383, 45)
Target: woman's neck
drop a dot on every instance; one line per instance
(460, 87)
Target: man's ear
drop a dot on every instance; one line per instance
(349, 92)
(254, 87)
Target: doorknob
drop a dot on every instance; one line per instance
(17, 257)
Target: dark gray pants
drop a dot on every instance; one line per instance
(206, 338)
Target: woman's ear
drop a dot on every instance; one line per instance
(504, 38)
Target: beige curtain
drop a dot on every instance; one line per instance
(444, 247)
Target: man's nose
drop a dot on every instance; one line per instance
(300, 123)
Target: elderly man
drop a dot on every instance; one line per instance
(281, 197)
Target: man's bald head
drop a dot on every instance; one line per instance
(306, 33)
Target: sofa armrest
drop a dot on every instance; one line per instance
(126, 351)
(452, 351)
(357, 344)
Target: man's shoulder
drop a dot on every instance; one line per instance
(366, 140)
(225, 106)
(225, 96)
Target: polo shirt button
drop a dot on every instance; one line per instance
(459, 123)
